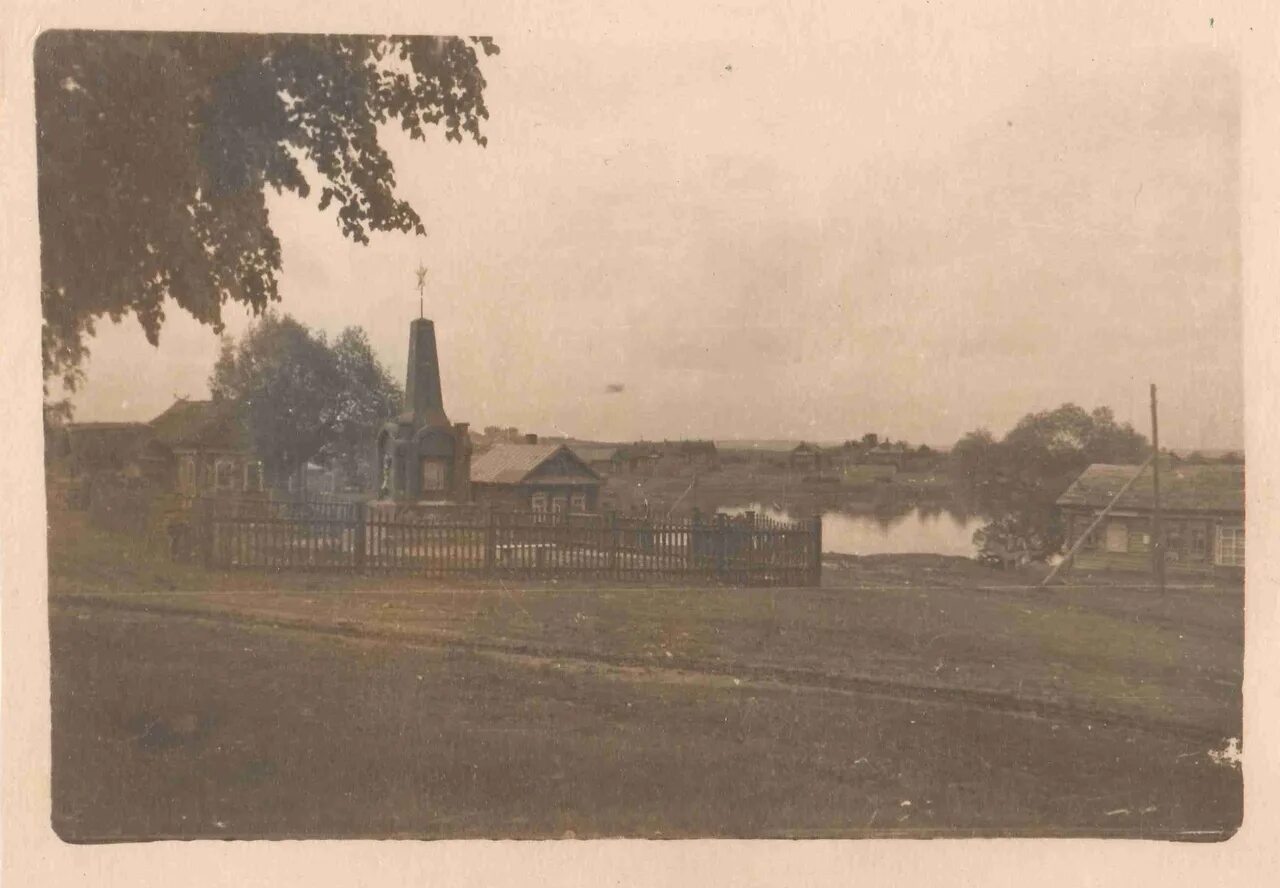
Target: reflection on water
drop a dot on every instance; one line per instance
(933, 530)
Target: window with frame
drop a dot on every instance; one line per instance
(1231, 545)
(187, 472)
(579, 503)
(1094, 539)
(558, 505)
(1139, 539)
(1197, 540)
(1117, 538)
(539, 502)
(433, 475)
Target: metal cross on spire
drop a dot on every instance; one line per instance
(421, 271)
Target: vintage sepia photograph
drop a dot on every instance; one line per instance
(812, 436)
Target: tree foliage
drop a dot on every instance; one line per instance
(155, 151)
(304, 398)
(368, 397)
(1019, 478)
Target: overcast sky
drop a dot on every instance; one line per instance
(917, 224)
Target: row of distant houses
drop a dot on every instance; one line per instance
(648, 458)
(811, 458)
(199, 448)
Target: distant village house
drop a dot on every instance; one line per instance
(665, 457)
(806, 457)
(602, 458)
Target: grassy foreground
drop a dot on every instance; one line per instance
(908, 696)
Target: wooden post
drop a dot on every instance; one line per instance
(611, 553)
(816, 576)
(360, 523)
(206, 529)
(490, 539)
(695, 539)
(1157, 524)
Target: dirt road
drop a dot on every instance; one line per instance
(541, 713)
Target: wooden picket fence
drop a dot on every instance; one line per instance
(747, 550)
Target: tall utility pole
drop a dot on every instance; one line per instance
(1157, 525)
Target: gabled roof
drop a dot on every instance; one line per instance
(513, 463)
(1184, 488)
(212, 425)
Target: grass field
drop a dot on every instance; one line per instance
(907, 696)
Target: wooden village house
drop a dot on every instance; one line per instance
(545, 478)
(603, 458)
(636, 459)
(1202, 510)
(210, 448)
(689, 454)
(192, 448)
(806, 457)
(665, 457)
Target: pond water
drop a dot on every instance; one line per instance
(918, 530)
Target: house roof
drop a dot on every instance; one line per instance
(1190, 488)
(91, 427)
(806, 447)
(96, 442)
(216, 425)
(639, 450)
(513, 463)
(593, 452)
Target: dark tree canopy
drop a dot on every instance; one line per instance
(368, 397)
(1019, 477)
(307, 399)
(155, 150)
